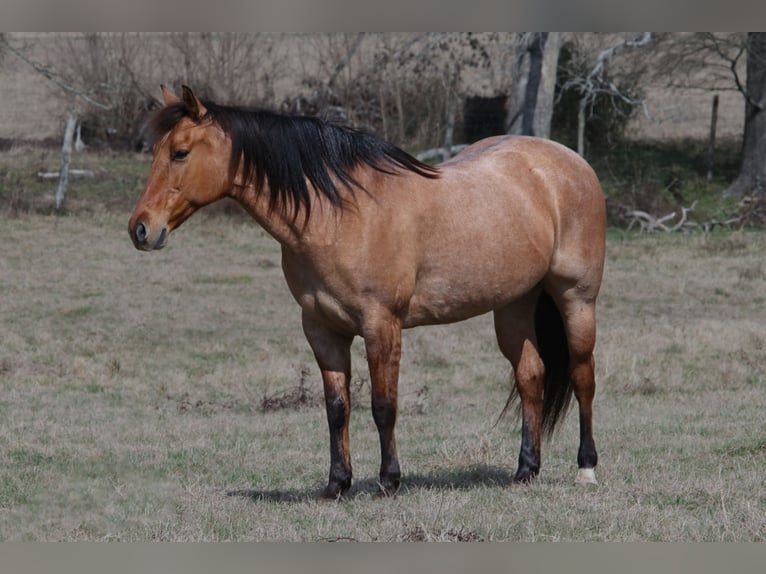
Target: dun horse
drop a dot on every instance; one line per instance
(374, 241)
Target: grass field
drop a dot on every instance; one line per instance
(171, 396)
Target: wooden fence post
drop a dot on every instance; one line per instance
(66, 157)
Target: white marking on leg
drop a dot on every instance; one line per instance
(586, 476)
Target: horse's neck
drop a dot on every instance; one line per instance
(273, 221)
(292, 232)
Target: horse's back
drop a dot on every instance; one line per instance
(533, 178)
(558, 169)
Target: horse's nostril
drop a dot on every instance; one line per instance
(141, 232)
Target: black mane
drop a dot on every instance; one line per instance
(286, 150)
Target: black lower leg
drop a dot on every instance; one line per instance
(529, 456)
(586, 454)
(384, 414)
(340, 465)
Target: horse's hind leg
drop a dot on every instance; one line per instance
(515, 330)
(579, 313)
(333, 354)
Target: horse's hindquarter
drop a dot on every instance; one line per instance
(506, 216)
(580, 219)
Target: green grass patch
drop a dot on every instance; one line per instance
(75, 313)
(27, 457)
(755, 447)
(116, 182)
(662, 177)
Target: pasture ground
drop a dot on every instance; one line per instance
(171, 396)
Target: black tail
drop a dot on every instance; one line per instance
(554, 351)
(553, 348)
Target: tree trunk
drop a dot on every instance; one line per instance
(547, 86)
(533, 84)
(66, 157)
(581, 108)
(711, 138)
(752, 174)
(399, 109)
(450, 127)
(383, 113)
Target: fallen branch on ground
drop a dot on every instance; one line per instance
(649, 223)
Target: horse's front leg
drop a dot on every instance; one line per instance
(333, 354)
(383, 342)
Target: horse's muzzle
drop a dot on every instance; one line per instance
(145, 240)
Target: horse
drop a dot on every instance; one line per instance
(374, 241)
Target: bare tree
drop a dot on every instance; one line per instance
(533, 84)
(717, 61)
(409, 86)
(449, 56)
(68, 85)
(235, 67)
(711, 61)
(75, 94)
(333, 70)
(597, 82)
(752, 175)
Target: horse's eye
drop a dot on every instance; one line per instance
(180, 155)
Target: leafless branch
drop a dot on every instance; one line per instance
(733, 63)
(51, 75)
(606, 55)
(595, 82)
(349, 55)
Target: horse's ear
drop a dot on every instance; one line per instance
(195, 107)
(168, 96)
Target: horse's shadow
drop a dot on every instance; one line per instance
(447, 479)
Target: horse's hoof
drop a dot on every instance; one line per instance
(330, 497)
(389, 489)
(585, 476)
(333, 492)
(524, 476)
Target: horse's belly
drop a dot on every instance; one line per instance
(437, 301)
(419, 314)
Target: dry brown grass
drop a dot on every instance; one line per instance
(134, 387)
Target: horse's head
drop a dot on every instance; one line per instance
(190, 169)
